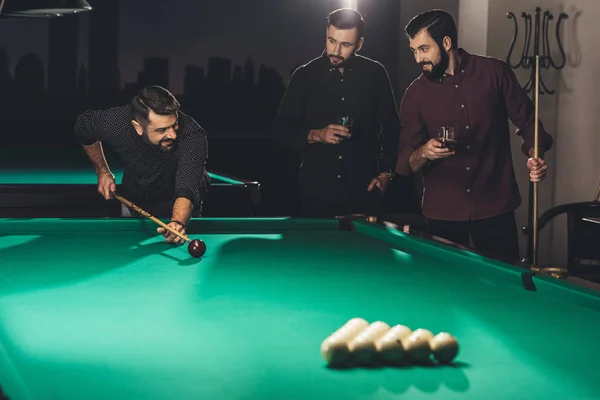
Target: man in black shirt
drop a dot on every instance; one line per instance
(344, 170)
(164, 150)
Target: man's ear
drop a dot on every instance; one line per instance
(360, 43)
(447, 42)
(138, 128)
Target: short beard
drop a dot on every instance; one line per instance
(159, 144)
(341, 64)
(437, 71)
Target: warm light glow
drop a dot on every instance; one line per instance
(349, 4)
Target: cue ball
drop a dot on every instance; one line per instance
(196, 248)
(444, 347)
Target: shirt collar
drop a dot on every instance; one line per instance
(460, 68)
(464, 60)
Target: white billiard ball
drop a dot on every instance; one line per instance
(335, 348)
(444, 347)
(390, 347)
(417, 346)
(363, 346)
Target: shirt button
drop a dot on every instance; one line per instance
(343, 99)
(341, 80)
(468, 147)
(456, 86)
(468, 168)
(340, 157)
(468, 190)
(462, 106)
(339, 176)
(467, 126)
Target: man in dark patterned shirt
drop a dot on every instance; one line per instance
(345, 170)
(470, 192)
(165, 153)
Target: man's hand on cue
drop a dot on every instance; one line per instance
(171, 237)
(537, 167)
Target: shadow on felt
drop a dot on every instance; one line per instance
(48, 260)
(428, 377)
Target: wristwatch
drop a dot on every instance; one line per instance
(390, 174)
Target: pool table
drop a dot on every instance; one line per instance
(104, 309)
(62, 183)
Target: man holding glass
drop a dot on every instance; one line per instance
(455, 134)
(339, 111)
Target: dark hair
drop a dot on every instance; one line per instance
(438, 24)
(347, 18)
(155, 98)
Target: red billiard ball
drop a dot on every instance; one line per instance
(196, 248)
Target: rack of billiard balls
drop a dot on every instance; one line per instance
(361, 343)
(196, 247)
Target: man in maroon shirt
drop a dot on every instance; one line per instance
(470, 191)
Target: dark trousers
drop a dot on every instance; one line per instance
(496, 235)
(371, 204)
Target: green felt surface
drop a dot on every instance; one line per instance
(52, 175)
(106, 310)
(62, 165)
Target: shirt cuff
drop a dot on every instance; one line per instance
(545, 142)
(403, 166)
(186, 193)
(84, 141)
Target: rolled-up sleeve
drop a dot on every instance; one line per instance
(521, 111)
(192, 179)
(413, 130)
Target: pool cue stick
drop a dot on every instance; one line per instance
(598, 194)
(148, 215)
(535, 157)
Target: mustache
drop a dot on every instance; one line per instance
(424, 63)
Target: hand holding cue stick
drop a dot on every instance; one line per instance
(148, 215)
(196, 247)
(535, 157)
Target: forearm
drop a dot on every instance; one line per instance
(417, 160)
(96, 156)
(313, 136)
(182, 210)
